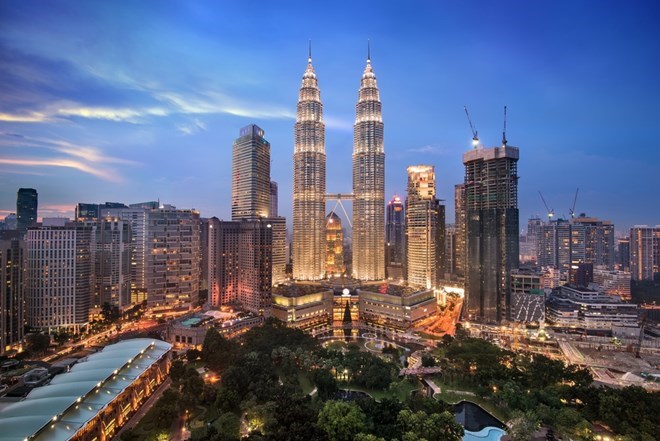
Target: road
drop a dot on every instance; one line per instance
(142, 411)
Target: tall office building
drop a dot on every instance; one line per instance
(273, 199)
(450, 249)
(425, 235)
(561, 245)
(240, 267)
(59, 277)
(656, 249)
(204, 261)
(250, 175)
(641, 252)
(460, 222)
(368, 181)
(12, 289)
(111, 256)
(491, 200)
(278, 251)
(599, 247)
(309, 181)
(534, 224)
(86, 212)
(334, 263)
(10, 222)
(395, 238)
(27, 201)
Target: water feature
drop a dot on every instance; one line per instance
(479, 424)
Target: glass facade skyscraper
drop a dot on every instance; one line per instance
(492, 244)
(250, 175)
(27, 201)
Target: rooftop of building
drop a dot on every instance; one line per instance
(58, 410)
(298, 289)
(392, 289)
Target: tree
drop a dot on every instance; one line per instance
(522, 425)
(428, 361)
(430, 427)
(341, 421)
(326, 384)
(367, 437)
(37, 343)
(193, 354)
(228, 426)
(110, 313)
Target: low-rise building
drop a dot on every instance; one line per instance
(94, 399)
(303, 306)
(613, 283)
(589, 310)
(395, 308)
(527, 297)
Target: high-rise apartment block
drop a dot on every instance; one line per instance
(641, 252)
(368, 182)
(599, 247)
(59, 277)
(250, 175)
(12, 289)
(491, 201)
(27, 201)
(623, 254)
(450, 249)
(240, 267)
(111, 256)
(309, 181)
(424, 229)
(561, 244)
(334, 264)
(395, 238)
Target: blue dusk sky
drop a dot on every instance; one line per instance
(131, 101)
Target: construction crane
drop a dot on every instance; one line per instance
(475, 137)
(572, 211)
(550, 212)
(504, 131)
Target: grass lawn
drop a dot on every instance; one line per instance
(454, 397)
(305, 383)
(401, 390)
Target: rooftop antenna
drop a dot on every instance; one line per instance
(504, 131)
(475, 137)
(368, 50)
(310, 51)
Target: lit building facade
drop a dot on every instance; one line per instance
(273, 199)
(240, 267)
(613, 282)
(424, 229)
(27, 201)
(334, 263)
(250, 175)
(111, 254)
(368, 182)
(598, 241)
(59, 277)
(641, 252)
(305, 307)
(492, 247)
(309, 182)
(395, 238)
(527, 297)
(623, 254)
(459, 221)
(12, 289)
(561, 244)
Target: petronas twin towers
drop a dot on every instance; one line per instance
(309, 191)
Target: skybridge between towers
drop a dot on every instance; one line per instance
(338, 197)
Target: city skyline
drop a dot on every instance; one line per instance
(90, 114)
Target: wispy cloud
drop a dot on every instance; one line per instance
(190, 129)
(84, 158)
(429, 149)
(336, 123)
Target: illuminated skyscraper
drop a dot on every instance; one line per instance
(250, 175)
(368, 182)
(335, 245)
(424, 229)
(492, 246)
(309, 181)
(641, 252)
(273, 199)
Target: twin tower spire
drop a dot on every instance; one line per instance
(309, 181)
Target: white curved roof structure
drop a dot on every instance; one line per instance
(58, 410)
